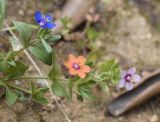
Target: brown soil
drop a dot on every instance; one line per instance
(128, 35)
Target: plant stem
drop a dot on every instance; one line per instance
(19, 88)
(35, 77)
(29, 78)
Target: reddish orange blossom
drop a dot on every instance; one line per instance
(76, 66)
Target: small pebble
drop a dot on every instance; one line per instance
(154, 118)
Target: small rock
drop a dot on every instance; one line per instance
(154, 118)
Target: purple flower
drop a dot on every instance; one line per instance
(128, 77)
(44, 20)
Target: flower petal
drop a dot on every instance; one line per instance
(81, 59)
(123, 73)
(129, 86)
(72, 58)
(38, 16)
(131, 70)
(72, 71)
(81, 74)
(136, 77)
(121, 83)
(50, 25)
(67, 64)
(85, 68)
(49, 17)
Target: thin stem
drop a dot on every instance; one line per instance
(19, 88)
(29, 78)
(35, 77)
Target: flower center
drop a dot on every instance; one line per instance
(42, 22)
(128, 78)
(76, 66)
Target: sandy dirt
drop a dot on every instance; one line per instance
(128, 35)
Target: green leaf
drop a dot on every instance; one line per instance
(93, 56)
(25, 31)
(104, 87)
(1, 56)
(12, 63)
(58, 89)
(54, 73)
(17, 70)
(11, 97)
(85, 91)
(41, 91)
(43, 32)
(40, 52)
(66, 21)
(3, 84)
(3, 66)
(115, 76)
(70, 86)
(92, 34)
(2, 12)
(55, 70)
(111, 71)
(11, 55)
(52, 38)
(88, 81)
(32, 87)
(46, 45)
(39, 99)
(107, 65)
(90, 64)
(38, 94)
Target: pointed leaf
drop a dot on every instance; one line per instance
(17, 70)
(85, 91)
(46, 45)
(40, 52)
(39, 99)
(55, 70)
(58, 89)
(104, 87)
(25, 31)
(52, 38)
(3, 66)
(92, 34)
(11, 97)
(70, 86)
(110, 70)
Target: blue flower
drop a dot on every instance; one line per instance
(44, 20)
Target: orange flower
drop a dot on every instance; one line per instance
(76, 66)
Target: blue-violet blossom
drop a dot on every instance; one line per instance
(44, 20)
(128, 77)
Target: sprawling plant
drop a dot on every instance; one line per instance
(83, 73)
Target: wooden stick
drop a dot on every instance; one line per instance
(149, 87)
